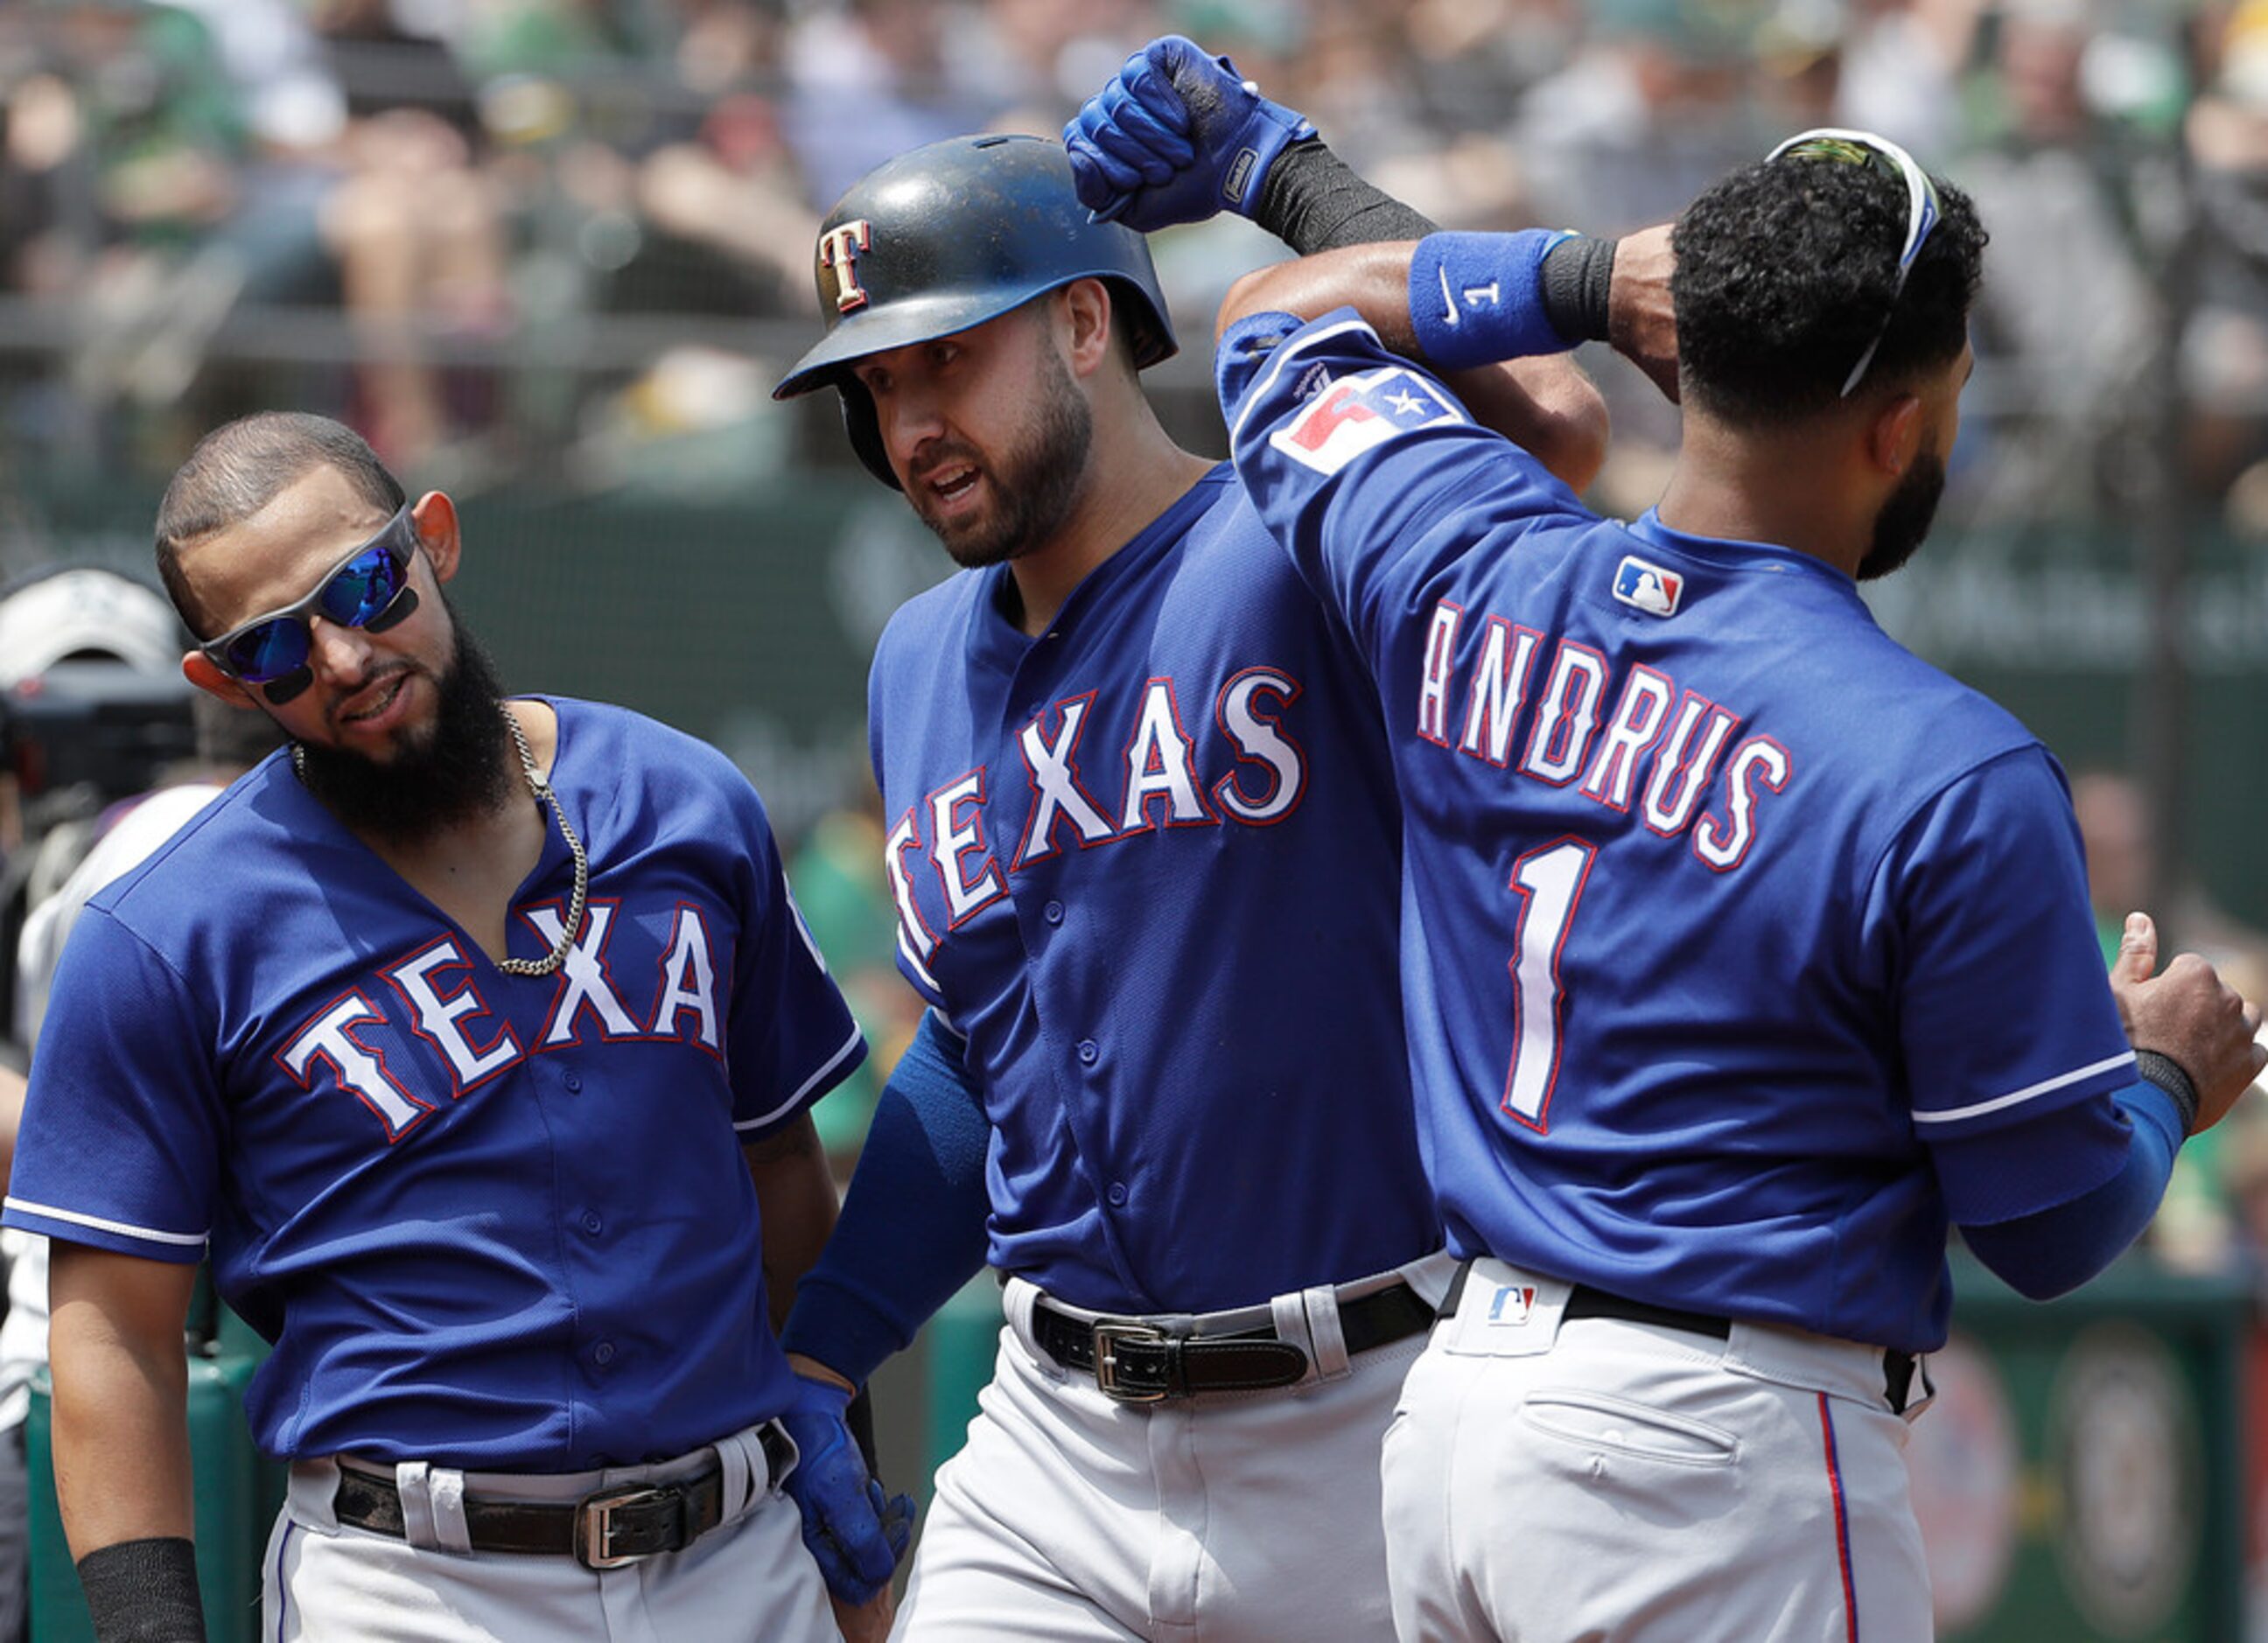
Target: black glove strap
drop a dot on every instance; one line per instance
(2166, 1074)
(143, 1591)
(858, 1415)
(1312, 202)
(1578, 275)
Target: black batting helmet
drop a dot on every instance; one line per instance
(949, 236)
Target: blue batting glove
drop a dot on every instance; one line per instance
(1176, 137)
(854, 1532)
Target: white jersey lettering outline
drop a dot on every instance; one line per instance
(438, 1020)
(688, 980)
(1434, 673)
(583, 978)
(1260, 739)
(954, 837)
(1568, 716)
(1159, 765)
(1630, 732)
(355, 1066)
(1053, 772)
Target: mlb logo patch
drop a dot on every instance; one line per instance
(1511, 1307)
(1648, 586)
(1359, 413)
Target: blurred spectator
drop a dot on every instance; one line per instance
(230, 741)
(418, 233)
(125, 136)
(2225, 346)
(2198, 1225)
(90, 689)
(1899, 67)
(872, 78)
(2066, 317)
(735, 186)
(73, 619)
(1656, 104)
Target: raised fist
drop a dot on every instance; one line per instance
(1176, 137)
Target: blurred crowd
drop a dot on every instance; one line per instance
(447, 220)
(560, 241)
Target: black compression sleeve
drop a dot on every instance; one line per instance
(1312, 202)
(2168, 1074)
(143, 1591)
(1579, 273)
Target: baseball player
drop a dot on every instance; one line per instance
(1744, 949)
(1144, 858)
(473, 1043)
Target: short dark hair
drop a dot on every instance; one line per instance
(1784, 271)
(241, 467)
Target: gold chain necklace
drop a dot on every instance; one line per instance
(544, 795)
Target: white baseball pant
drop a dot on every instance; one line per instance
(1230, 1517)
(1549, 1479)
(748, 1578)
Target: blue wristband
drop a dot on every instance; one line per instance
(1477, 299)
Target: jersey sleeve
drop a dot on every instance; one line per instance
(792, 1036)
(120, 1137)
(2012, 1038)
(882, 681)
(1366, 470)
(913, 1225)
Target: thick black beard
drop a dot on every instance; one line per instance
(1036, 486)
(458, 770)
(1905, 518)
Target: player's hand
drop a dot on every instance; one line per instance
(1175, 137)
(854, 1532)
(869, 1622)
(1640, 321)
(2190, 1015)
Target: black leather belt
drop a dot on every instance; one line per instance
(1138, 1362)
(1583, 1301)
(605, 1529)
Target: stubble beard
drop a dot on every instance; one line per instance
(1034, 487)
(1903, 523)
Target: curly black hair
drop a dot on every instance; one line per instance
(1784, 271)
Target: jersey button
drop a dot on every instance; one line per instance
(1052, 913)
(592, 1224)
(572, 1080)
(1116, 1195)
(603, 1352)
(1089, 1051)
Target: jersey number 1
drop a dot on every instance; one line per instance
(1550, 881)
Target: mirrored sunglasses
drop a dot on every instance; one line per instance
(1881, 155)
(368, 589)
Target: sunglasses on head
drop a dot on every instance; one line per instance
(368, 589)
(1887, 159)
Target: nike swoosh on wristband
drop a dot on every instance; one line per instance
(1448, 298)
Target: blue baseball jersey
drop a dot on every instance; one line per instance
(1743, 948)
(1146, 865)
(488, 1220)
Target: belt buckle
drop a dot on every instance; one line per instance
(594, 1523)
(1106, 1336)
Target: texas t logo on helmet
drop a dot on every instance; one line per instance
(839, 249)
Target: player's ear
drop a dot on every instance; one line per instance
(1894, 437)
(435, 516)
(1086, 306)
(198, 669)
